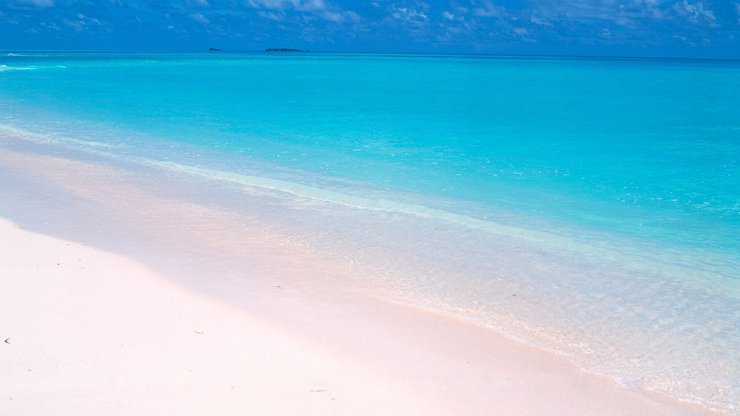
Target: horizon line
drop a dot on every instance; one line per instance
(307, 51)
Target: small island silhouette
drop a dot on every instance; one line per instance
(284, 50)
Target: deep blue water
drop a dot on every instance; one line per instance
(632, 156)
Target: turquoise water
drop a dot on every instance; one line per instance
(621, 177)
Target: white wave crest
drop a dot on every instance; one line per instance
(4, 68)
(25, 54)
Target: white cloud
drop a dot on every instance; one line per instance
(696, 12)
(340, 17)
(410, 16)
(522, 34)
(276, 10)
(648, 8)
(632, 14)
(447, 15)
(486, 8)
(198, 17)
(300, 5)
(83, 22)
(199, 3)
(38, 3)
(540, 21)
(685, 40)
(50, 25)
(737, 9)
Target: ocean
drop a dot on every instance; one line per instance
(588, 206)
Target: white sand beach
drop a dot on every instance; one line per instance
(102, 316)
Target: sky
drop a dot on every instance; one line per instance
(659, 28)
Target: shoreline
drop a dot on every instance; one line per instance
(263, 289)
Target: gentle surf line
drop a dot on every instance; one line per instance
(421, 211)
(549, 239)
(34, 137)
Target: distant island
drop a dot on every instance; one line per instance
(214, 49)
(284, 50)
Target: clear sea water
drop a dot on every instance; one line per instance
(589, 206)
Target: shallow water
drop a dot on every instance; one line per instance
(591, 207)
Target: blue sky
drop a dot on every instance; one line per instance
(681, 28)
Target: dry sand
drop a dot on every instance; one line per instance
(95, 333)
